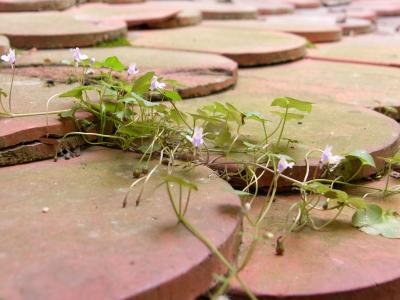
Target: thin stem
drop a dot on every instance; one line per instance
(283, 126)
(11, 88)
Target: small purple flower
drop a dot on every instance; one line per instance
(132, 70)
(77, 56)
(9, 57)
(197, 138)
(156, 85)
(328, 158)
(92, 61)
(283, 164)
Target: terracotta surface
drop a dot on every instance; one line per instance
(228, 11)
(43, 149)
(328, 81)
(30, 95)
(274, 7)
(87, 246)
(35, 5)
(247, 47)
(382, 8)
(28, 30)
(305, 3)
(366, 49)
(338, 262)
(187, 17)
(335, 2)
(354, 26)
(200, 73)
(15, 131)
(212, 10)
(132, 14)
(346, 127)
(4, 44)
(314, 30)
(339, 12)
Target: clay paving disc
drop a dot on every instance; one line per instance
(200, 73)
(382, 8)
(313, 30)
(305, 3)
(322, 28)
(246, 46)
(212, 10)
(338, 262)
(30, 95)
(87, 246)
(354, 26)
(345, 127)
(186, 17)
(274, 7)
(133, 14)
(328, 81)
(367, 49)
(28, 30)
(35, 5)
(4, 44)
(227, 11)
(121, 1)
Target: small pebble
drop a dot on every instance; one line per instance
(45, 210)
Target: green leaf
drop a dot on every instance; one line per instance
(142, 84)
(174, 83)
(223, 138)
(206, 118)
(172, 95)
(138, 130)
(372, 220)
(389, 228)
(363, 156)
(357, 202)
(120, 114)
(250, 146)
(67, 114)
(256, 116)
(288, 102)
(177, 116)
(235, 114)
(242, 193)
(327, 191)
(181, 181)
(392, 160)
(113, 63)
(371, 214)
(76, 92)
(288, 116)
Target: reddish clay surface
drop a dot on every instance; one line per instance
(34, 5)
(132, 14)
(87, 246)
(14, 131)
(305, 3)
(4, 44)
(338, 262)
(37, 30)
(248, 47)
(380, 50)
(274, 7)
(346, 127)
(199, 74)
(381, 8)
(315, 30)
